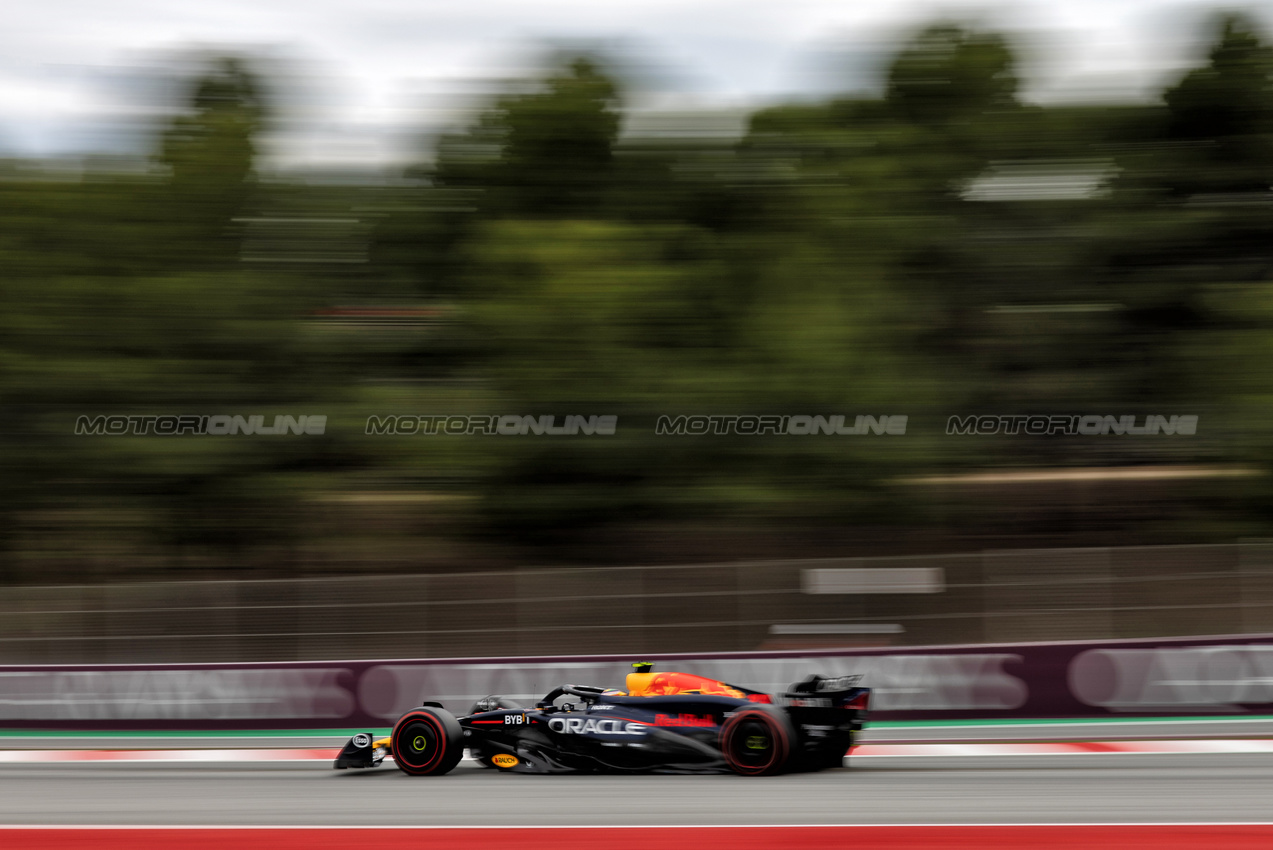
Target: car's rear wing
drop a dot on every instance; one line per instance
(839, 692)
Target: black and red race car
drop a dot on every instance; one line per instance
(663, 722)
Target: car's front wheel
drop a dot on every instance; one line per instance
(427, 742)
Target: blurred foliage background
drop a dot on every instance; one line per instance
(944, 248)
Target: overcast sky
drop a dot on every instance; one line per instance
(365, 76)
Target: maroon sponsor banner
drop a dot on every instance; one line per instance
(1164, 677)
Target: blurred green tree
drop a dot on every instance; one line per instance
(543, 150)
(547, 152)
(1222, 114)
(947, 73)
(1190, 213)
(129, 296)
(208, 153)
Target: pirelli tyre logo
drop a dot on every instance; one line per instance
(593, 726)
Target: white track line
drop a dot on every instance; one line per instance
(43, 756)
(1217, 745)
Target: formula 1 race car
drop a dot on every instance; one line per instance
(664, 722)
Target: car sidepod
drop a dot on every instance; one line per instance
(673, 734)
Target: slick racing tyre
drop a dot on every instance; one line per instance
(756, 741)
(427, 742)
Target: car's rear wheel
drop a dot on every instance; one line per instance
(427, 742)
(756, 741)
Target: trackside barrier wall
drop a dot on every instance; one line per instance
(1185, 676)
(990, 597)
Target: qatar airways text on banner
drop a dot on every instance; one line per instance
(1159, 677)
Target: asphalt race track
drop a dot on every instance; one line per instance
(1097, 788)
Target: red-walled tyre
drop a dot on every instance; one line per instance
(757, 741)
(427, 742)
